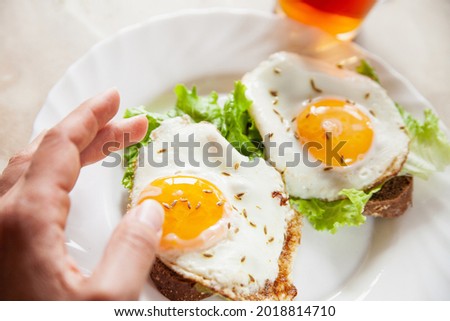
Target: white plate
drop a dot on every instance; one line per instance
(400, 259)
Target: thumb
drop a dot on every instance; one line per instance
(130, 253)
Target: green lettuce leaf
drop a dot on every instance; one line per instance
(429, 150)
(233, 120)
(197, 107)
(367, 70)
(240, 129)
(131, 153)
(329, 216)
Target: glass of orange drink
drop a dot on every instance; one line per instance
(337, 17)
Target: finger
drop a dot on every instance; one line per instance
(80, 126)
(83, 123)
(56, 162)
(115, 136)
(18, 164)
(130, 253)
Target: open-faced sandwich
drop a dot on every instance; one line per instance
(229, 228)
(353, 150)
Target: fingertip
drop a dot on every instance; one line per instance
(141, 126)
(149, 213)
(132, 248)
(114, 92)
(135, 128)
(141, 118)
(112, 98)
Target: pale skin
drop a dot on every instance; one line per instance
(34, 205)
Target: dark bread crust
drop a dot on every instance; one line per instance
(178, 288)
(394, 198)
(173, 286)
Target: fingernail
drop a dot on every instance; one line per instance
(151, 213)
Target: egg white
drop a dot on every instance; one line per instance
(259, 237)
(279, 88)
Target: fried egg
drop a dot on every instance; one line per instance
(326, 129)
(228, 225)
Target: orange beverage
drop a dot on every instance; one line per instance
(338, 17)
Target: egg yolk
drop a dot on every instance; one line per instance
(192, 207)
(338, 132)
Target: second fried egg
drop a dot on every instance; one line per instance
(329, 129)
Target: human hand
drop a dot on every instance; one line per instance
(34, 204)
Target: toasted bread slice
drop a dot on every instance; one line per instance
(394, 198)
(177, 288)
(173, 286)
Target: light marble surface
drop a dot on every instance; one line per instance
(39, 40)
